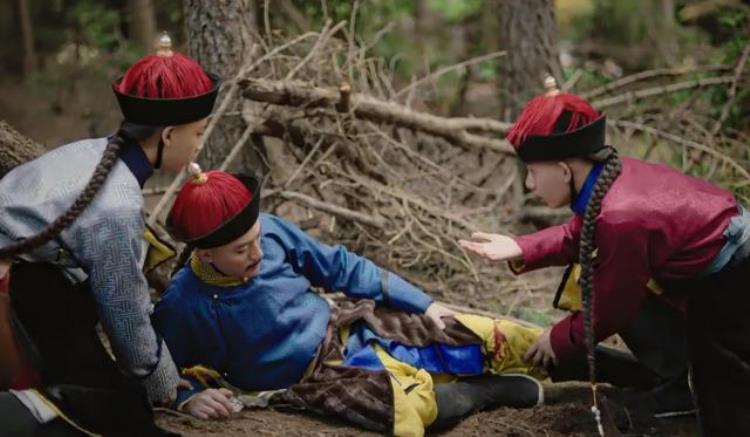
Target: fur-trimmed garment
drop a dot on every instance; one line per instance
(371, 358)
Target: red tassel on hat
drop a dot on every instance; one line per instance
(207, 202)
(165, 75)
(541, 113)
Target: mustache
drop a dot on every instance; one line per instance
(253, 264)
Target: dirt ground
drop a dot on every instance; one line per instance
(566, 413)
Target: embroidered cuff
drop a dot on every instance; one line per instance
(162, 383)
(184, 395)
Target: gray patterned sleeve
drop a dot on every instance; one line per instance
(110, 247)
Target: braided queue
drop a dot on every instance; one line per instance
(612, 169)
(108, 160)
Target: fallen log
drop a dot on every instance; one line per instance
(15, 148)
(363, 106)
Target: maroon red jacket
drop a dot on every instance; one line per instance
(655, 222)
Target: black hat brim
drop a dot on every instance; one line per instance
(233, 228)
(579, 143)
(167, 112)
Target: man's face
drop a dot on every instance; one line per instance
(550, 181)
(181, 144)
(240, 258)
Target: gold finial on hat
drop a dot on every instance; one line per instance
(550, 84)
(164, 45)
(199, 178)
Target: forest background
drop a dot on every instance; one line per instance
(671, 74)
(380, 124)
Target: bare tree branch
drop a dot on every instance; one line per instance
(650, 74)
(300, 94)
(632, 96)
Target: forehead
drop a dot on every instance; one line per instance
(248, 237)
(194, 126)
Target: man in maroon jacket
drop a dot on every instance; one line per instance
(641, 233)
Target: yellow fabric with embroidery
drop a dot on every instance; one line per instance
(412, 411)
(570, 297)
(414, 406)
(210, 276)
(158, 251)
(202, 374)
(505, 343)
(571, 293)
(205, 376)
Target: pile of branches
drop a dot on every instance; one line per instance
(346, 147)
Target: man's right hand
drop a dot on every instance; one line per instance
(211, 404)
(494, 247)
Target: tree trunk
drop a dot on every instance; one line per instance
(142, 23)
(420, 31)
(27, 38)
(529, 34)
(663, 29)
(15, 149)
(488, 25)
(221, 37)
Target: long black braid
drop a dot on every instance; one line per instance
(610, 172)
(128, 132)
(108, 160)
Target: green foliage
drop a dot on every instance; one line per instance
(733, 19)
(94, 28)
(373, 15)
(590, 77)
(611, 20)
(488, 70)
(371, 18)
(170, 16)
(537, 316)
(735, 22)
(455, 11)
(96, 24)
(399, 47)
(90, 22)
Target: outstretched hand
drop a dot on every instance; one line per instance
(494, 247)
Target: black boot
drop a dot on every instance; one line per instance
(671, 399)
(18, 421)
(460, 399)
(613, 366)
